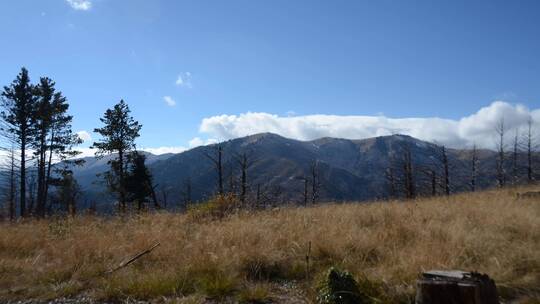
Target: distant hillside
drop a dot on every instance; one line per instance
(348, 169)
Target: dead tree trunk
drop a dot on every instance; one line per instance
(12, 185)
(433, 178)
(217, 160)
(529, 140)
(391, 180)
(500, 130)
(410, 183)
(446, 168)
(515, 152)
(456, 287)
(474, 168)
(315, 181)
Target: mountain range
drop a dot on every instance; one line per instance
(346, 170)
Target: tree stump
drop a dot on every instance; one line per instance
(455, 287)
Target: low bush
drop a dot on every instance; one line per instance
(339, 287)
(217, 207)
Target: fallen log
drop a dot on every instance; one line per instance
(455, 287)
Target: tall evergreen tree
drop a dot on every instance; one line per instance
(61, 141)
(19, 105)
(54, 138)
(139, 184)
(118, 136)
(42, 117)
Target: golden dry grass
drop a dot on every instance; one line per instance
(249, 255)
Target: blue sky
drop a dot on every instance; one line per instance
(199, 70)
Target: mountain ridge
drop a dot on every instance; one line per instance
(349, 170)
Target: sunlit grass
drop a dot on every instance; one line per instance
(239, 255)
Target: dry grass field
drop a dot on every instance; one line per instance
(260, 257)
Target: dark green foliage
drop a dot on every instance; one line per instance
(35, 117)
(68, 192)
(19, 104)
(118, 136)
(139, 181)
(54, 137)
(339, 287)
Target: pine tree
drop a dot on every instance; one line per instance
(118, 136)
(61, 141)
(68, 192)
(42, 123)
(19, 104)
(139, 185)
(54, 138)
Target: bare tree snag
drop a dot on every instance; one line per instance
(474, 167)
(217, 160)
(500, 130)
(455, 287)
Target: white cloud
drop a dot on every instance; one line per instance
(169, 101)
(157, 150)
(84, 136)
(478, 127)
(164, 150)
(80, 5)
(197, 141)
(184, 80)
(85, 152)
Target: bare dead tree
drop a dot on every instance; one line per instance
(446, 170)
(232, 179)
(12, 184)
(304, 193)
(258, 196)
(315, 181)
(529, 141)
(515, 155)
(500, 131)
(186, 192)
(474, 167)
(164, 192)
(408, 173)
(391, 182)
(217, 161)
(400, 173)
(9, 188)
(432, 174)
(245, 160)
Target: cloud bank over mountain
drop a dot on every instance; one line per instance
(476, 128)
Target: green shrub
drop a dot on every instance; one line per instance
(217, 207)
(339, 287)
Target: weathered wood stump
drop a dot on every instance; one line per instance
(456, 287)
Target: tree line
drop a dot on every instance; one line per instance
(513, 164)
(39, 153)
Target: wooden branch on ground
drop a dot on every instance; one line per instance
(133, 259)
